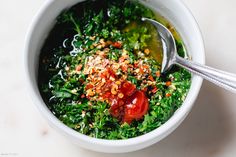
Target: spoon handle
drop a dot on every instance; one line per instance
(220, 78)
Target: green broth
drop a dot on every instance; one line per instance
(109, 32)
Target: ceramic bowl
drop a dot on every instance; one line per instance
(175, 11)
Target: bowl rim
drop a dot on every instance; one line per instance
(166, 127)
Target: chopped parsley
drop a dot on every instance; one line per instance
(90, 43)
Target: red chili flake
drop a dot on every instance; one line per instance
(141, 70)
(151, 78)
(104, 64)
(81, 80)
(111, 72)
(168, 94)
(117, 45)
(144, 89)
(106, 95)
(88, 86)
(147, 51)
(154, 90)
(135, 65)
(103, 75)
(124, 68)
(121, 59)
(145, 66)
(158, 73)
(79, 67)
(168, 83)
(108, 43)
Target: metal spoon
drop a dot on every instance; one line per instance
(171, 57)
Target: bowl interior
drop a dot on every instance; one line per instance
(172, 10)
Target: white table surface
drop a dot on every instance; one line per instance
(208, 131)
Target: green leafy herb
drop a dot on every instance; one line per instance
(79, 33)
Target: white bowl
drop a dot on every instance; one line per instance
(175, 11)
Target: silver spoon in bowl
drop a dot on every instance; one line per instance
(171, 57)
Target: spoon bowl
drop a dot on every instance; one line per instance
(170, 57)
(168, 44)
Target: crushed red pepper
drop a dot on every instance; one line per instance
(127, 103)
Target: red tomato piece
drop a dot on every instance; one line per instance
(117, 108)
(128, 88)
(136, 107)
